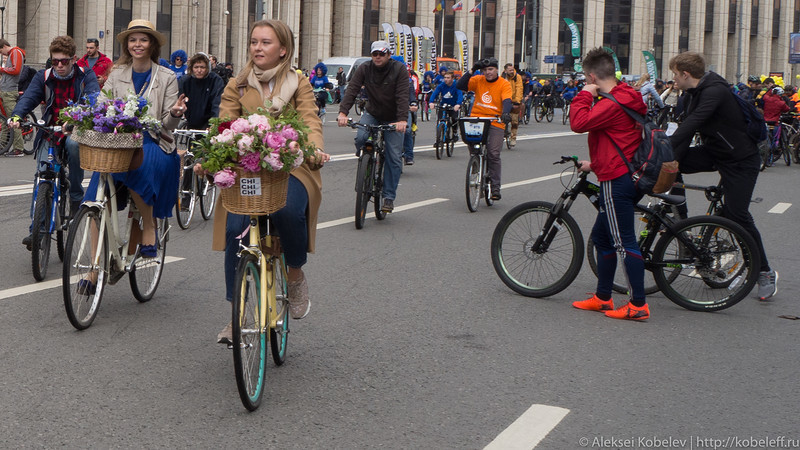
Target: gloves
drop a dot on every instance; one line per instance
(506, 117)
(478, 66)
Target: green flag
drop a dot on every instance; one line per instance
(576, 37)
(616, 61)
(650, 62)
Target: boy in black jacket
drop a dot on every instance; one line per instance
(712, 111)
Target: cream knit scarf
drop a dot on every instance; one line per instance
(285, 88)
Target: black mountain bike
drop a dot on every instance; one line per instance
(475, 133)
(703, 263)
(369, 176)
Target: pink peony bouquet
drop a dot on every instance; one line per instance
(253, 143)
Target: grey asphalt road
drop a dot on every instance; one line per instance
(412, 341)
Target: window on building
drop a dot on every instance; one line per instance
(776, 18)
(683, 25)
(525, 40)
(796, 22)
(123, 14)
(408, 12)
(371, 24)
(709, 16)
(754, 18)
(569, 9)
(658, 32)
(733, 8)
(489, 15)
(617, 32)
(164, 25)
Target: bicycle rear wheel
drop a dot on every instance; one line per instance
(720, 270)
(534, 253)
(451, 142)
(565, 117)
(440, 143)
(787, 156)
(29, 135)
(473, 185)
(550, 113)
(363, 188)
(377, 187)
(40, 231)
(81, 298)
(279, 335)
(486, 188)
(208, 196)
(187, 200)
(538, 113)
(249, 337)
(146, 273)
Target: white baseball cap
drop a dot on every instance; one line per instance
(380, 46)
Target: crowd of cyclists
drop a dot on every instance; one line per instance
(192, 90)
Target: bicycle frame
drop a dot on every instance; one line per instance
(51, 173)
(268, 298)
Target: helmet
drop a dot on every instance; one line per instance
(753, 78)
(777, 91)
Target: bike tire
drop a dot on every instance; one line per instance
(486, 187)
(377, 187)
(249, 336)
(536, 274)
(82, 308)
(794, 145)
(63, 216)
(565, 117)
(473, 184)
(279, 335)
(728, 258)
(451, 142)
(363, 188)
(187, 195)
(764, 150)
(6, 135)
(208, 197)
(40, 231)
(537, 113)
(439, 144)
(28, 137)
(550, 114)
(787, 157)
(146, 273)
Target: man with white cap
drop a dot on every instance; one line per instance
(386, 84)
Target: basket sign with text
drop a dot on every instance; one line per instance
(250, 187)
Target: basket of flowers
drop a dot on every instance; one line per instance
(251, 157)
(109, 130)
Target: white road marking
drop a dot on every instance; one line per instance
(351, 219)
(529, 429)
(23, 189)
(780, 208)
(429, 148)
(35, 287)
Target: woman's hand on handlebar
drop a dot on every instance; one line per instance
(319, 159)
(199, 170)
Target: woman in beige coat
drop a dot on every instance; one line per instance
(268, 76)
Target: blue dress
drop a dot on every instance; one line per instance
(156, 180)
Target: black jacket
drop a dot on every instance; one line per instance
(712, 111)
(387, 90)
(204, 96)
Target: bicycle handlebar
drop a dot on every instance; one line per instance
(40, 125)
(368, 127)
(190, 133)
(565, 159)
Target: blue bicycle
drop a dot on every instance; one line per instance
(445, 132)
(51, 200)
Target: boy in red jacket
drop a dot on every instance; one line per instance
(613, 234)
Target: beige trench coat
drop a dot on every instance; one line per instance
(232, 106)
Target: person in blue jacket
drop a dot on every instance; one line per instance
(448, 94)
(439, 79)
(178, 60)
(322, 85)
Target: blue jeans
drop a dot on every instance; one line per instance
(614, 237)
(291, 224)
(394, 148)
(408, 142)
(74, 171)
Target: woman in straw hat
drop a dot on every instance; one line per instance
(268, 75)
(153, 174)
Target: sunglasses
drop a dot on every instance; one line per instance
(379, 53)
(62, 61)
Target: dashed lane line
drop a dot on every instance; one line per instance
(529, 429)
(780, 208)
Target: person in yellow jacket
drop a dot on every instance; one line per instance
(515, 80)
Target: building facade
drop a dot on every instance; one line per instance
(738, 37)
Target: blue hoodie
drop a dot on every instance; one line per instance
(323, 81)
(179, 71)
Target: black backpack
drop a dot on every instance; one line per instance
(653, 167)
(25, 76)
(755, 127)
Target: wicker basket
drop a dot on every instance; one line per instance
(253, 199)
(107, 152)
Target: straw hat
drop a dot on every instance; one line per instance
(141, 26)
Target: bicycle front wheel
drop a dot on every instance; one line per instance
(40, 231)
(81, 294)
(565, 117)
(62, 216)
(451, 141)
(787, 155)
(535, 253)
(473, 185)
(439, 144)
(765, 150)
(146, 273)
(184, 207)
(550, 113)
(208, 197)
(377, 186)
(363, 188)
(279, 334)
(716, 272)
(249, 337)
(538, 114)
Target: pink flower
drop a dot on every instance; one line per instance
(240, 126)
(289, 133)
(245, 144)
(251, 162)
(259, 121)
(275, 141)
(222, 138)
(225, 178)
(274, 161)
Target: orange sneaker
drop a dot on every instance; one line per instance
(594, 304)
(630, 312)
